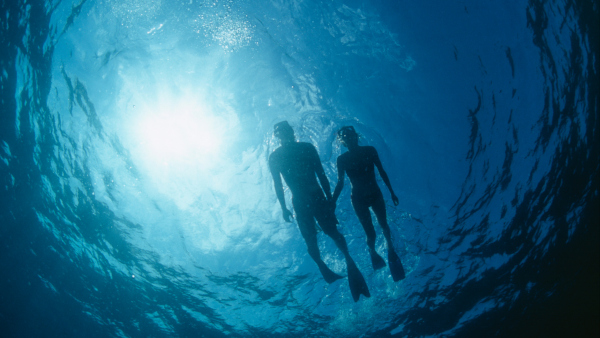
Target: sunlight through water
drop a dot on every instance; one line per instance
(179, 134)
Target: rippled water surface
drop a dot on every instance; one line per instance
(136, 199)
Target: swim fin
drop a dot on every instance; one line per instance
(329, 275)
(376, 260)
(358, 286)
(396, 267)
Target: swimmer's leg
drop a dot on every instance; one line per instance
(396, 267)
(307, 228)
(364, 216)
(358, 285)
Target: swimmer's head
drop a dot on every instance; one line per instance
(348, 136)
(284, 132)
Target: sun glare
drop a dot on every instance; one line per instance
(181, 141)
(181, 134)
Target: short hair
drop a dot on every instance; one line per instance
(282, 126)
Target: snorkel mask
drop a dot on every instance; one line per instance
(346, 132)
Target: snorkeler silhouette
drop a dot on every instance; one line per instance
(359, 162)
(298, 163)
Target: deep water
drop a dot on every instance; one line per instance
(136, 200)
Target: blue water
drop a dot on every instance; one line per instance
(136, 199)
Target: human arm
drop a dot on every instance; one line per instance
(318, 167)
(340, 183)
(384, 176)
(279, 190)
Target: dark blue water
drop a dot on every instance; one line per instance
(136, 200)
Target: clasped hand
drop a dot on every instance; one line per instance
(288, 216)
(395, 199)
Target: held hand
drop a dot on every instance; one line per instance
(287, 215)
(395, 200)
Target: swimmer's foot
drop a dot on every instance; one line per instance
(358, 286)
(329, 275)
(376, 260)
(396, 267)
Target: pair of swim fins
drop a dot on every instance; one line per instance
(396, 267)
(358, 285)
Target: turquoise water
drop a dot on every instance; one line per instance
(136, 199)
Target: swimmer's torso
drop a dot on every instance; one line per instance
(359, 165)
(297, 163)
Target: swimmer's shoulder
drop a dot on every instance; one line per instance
(369, 150)
(276, 152)
(306, 148)
(305, 145)
(276, 155)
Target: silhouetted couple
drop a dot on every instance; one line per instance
(298, 163)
